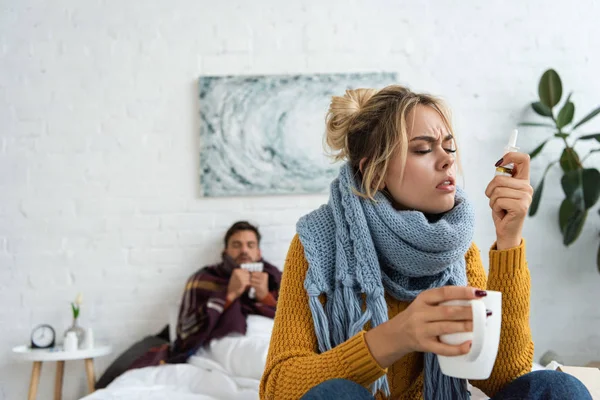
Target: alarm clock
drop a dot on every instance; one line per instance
(42, 337)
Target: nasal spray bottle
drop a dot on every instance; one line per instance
(507, 170)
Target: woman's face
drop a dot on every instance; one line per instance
(428, 184)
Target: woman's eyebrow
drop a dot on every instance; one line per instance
(431, 139)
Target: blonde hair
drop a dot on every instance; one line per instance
(372, 125)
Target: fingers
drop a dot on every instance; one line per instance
(508, 193)
(508, 182)
(436, 329)
(450, 313)
(258, 278)
(243, 276)
(521, 164)
(446, 293)
(241, 272)
(513, 207)
(446, 327)
(448, 350)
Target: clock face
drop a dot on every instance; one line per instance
(43, 336)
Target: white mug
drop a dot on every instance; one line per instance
(479, 361)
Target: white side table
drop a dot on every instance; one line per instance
(57, 354)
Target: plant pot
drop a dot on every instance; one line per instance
(79, 332)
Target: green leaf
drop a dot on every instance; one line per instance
(571, 220)
(569, 160)
(574, 227)
(572, 185)
(537, 194)
(582, 187)
(587, 118)
(565, 115)
(541, 109)
(591, 186)
(550, 88)
(592, 136)
(598, 259)
(538, 149)
(75, 311)
(535, 124)
(561, 135)
(564, 212)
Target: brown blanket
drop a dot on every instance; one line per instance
(203, 315)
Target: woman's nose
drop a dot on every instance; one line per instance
(447, 161)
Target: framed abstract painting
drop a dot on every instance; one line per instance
(263, 135)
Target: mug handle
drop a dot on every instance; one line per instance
(479, 319)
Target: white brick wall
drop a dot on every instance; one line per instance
(99, 145)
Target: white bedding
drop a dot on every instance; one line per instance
(229, 369)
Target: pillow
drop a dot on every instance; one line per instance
(257, 325)
(243, 356)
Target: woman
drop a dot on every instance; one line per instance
(364, 277)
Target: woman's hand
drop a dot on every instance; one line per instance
(418, 327)
(510, 198)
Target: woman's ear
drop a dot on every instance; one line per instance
(361, 166)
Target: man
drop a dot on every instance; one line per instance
(216, 300)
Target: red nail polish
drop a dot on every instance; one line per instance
(499, 162)
(480, 293)
(488, 312)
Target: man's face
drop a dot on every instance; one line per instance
(242, 247)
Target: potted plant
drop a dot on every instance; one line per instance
(79, 331)
(580, 181)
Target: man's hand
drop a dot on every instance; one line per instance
(238, 283)
(260, 282)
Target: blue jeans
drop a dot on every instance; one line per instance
(538, 385)
(545, 384)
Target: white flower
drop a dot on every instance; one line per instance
(79, 299)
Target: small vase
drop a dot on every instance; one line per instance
(79, 332)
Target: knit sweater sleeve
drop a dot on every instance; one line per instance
(294, 364)
(509, 274)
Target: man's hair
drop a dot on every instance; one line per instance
(241, 226)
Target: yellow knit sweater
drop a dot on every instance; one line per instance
(294, 364)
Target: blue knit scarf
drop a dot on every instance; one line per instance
(357, 247)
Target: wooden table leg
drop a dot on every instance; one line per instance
(91, 378)
(58, 383)
(35, 379)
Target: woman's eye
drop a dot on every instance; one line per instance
(430, 150)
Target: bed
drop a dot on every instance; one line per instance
(228, 369)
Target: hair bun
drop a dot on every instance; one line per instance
(342, 111)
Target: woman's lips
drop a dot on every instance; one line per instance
(446, 185)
